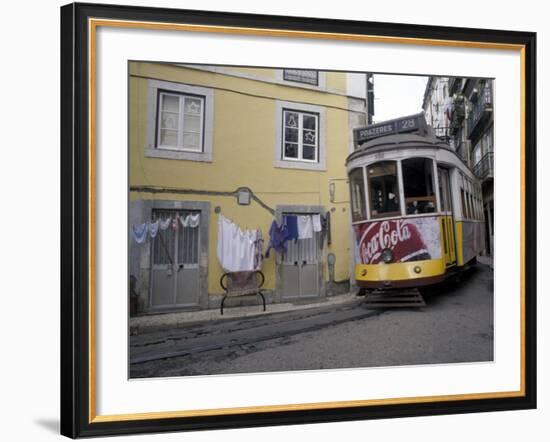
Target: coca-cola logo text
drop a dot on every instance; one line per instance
(384, 235)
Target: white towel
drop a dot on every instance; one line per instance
(316, 220)
(305, 227)
(235, 248)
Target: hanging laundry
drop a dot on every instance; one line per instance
(305, 227)
(190, 220)
(235, 249)
(154, 228)
(194, 220)
(164, 224)
(292, 231)
(316, 220)
(139, 233)
(277, 238)
(226, 231)
(175, 222)
(246, 249)
(258, 250)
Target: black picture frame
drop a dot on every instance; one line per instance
(76, 404)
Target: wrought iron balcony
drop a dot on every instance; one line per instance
(484, 168)
(481, 111)
(457, 115)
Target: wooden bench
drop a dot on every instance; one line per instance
(246, 283)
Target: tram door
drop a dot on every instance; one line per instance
(447, 223)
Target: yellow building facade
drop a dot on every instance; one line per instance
(252, 145)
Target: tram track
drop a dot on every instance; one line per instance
(243, 332)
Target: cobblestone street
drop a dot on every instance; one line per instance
(455, 326)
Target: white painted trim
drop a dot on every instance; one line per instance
(401, 188)
(319, 165)
(179, 154)
(366, 191)
(435, 183)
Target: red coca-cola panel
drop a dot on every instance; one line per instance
(403, 237)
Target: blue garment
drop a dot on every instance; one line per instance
(291, 222)
(276, 238)
(280, 234)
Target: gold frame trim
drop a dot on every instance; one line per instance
(93, 24)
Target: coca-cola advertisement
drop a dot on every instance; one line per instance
(409, 239)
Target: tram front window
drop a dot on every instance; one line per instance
(357, 191)
(383, 189)
(418, 185)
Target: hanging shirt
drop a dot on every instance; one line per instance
(305, 227)
(277, 238)
(139, 233)
(154, 228)
(316, 220)
(164, 224)
(291, 223)
(190, 220)
(194, 220)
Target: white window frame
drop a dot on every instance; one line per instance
(181, 120)
(292, 163)
(300, 143)
(154, 88)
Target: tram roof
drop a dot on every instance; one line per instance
(399, 142)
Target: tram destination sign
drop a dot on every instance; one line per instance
(412, 123)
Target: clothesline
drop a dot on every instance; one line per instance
(141, 232)
(292, 227)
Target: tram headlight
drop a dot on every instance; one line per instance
(387, 256)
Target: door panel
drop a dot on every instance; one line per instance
(188, 273)
(162, 272)
(188, 289)
(447, 224)
(163, 287)
(300, 268)
(175, 273)
(309, 279)
(290, 270)
(290, 275)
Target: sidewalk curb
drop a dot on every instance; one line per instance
(163, 321)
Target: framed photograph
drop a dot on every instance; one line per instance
(273, 220)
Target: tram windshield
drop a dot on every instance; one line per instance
(383, 189)
(418, 185)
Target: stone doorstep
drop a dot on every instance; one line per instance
(157, 322)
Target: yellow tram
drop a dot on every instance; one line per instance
(416, 208)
